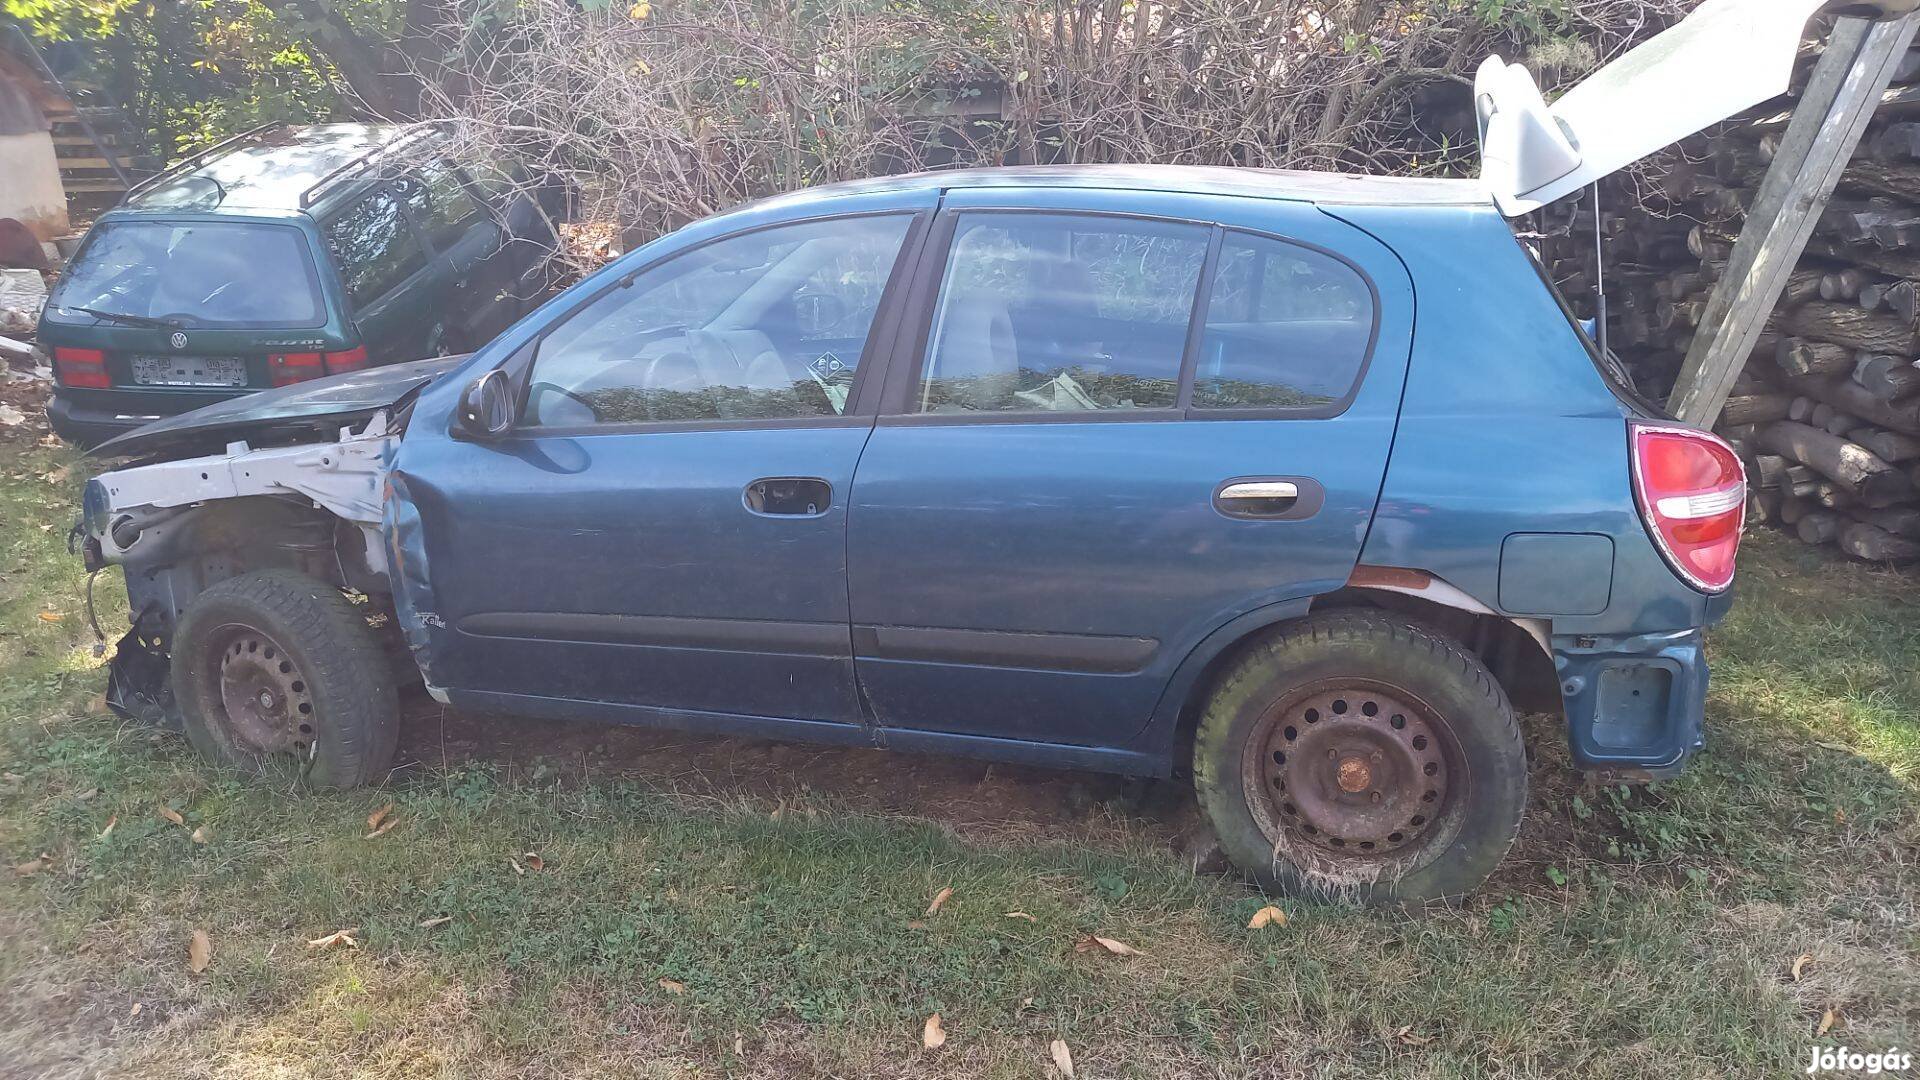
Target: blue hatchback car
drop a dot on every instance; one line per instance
(1294, 484)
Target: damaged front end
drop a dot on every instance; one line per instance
(178, 527)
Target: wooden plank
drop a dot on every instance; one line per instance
(1833, 112)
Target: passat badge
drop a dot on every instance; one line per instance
(178, 340)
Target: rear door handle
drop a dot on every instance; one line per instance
(789, 496)
(1281, 498)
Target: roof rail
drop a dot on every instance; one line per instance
(431, 127)
(200, 158)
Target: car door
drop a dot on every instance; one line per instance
(457, 226)
(1113, 434)
(394, 286)
(665, 526)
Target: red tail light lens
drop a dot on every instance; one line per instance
(293, 367)
(81, 367)
(1693, 496)
(352, 360)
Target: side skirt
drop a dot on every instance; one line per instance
(1013, 751)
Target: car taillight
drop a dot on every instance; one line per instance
(1692, 491)
(352, 360)
(81, 367)
(293, 367)
(289, 368)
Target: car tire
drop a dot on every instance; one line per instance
(1356, 755)
(277, 671)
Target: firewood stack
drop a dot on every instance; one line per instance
(1826, 413)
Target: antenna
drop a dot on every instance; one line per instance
(1599, 277)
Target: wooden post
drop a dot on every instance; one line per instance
(1827, 123)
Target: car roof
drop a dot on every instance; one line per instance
(268, 171)
(1330, 188)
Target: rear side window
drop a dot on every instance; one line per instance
(1061, 313)
(439, 202)
(374, 247)
(1287, 328)
(211, 273)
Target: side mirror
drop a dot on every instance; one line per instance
(486, 406)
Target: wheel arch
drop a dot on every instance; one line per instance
(1515, 650)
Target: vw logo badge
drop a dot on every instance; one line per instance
(178, 340)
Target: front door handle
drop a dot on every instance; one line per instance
(789, 496)
(1268, 497)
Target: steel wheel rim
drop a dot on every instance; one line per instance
(263, 695)
(1352, 771)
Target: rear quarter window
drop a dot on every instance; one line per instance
(374, 247)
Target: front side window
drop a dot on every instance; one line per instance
(1287, 328)
(765, 325)
(213, 273)
(1061, 313)
(374, 247)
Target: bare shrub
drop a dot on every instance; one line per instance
(665, 112)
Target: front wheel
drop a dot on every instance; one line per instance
(1358, 755)
(277, 671)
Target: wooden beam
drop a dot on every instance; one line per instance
(1832, 114)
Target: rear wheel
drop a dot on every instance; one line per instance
(1359, 755)
(276, 672)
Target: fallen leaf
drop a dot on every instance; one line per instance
(1267, 916)
(374, 819)
(51, 616)
(517, 868)
(86, 795)
(534, 861)
(739, 1046)
(111, 822)
(916, 924)
(1800, 965)
(338, 937)
(932, 1035)
(172, 815)
(135, 1011)
(1407, 1036)
(58, 476)
(385, 828)
(200, 835)
(1062, 1058)
(640, 10)
(673, 987)
(939, 898)
(428, 924)
(199, 952)
(34, 865)
(1095, 941)
(1827, 1020)
(1018, 915)
(97, 705)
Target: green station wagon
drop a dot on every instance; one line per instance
(281, 255)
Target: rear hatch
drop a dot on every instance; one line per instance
(185, 311)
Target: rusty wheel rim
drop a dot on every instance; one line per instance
(1352, 770)
(266, 699)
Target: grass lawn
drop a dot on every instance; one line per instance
(671, 928)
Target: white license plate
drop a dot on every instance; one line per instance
(189, 370)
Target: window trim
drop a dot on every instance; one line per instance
(908, 357)
(860, 403)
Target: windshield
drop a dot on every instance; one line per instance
(219, 273)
